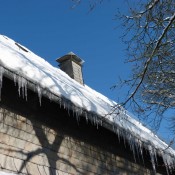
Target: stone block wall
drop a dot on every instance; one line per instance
(28, 146)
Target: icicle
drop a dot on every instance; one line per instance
(151, 152)
(39, 94)
(75, 113)
(132, 147)
(86, 116)
(52, 97)
(24, 87)
(65, 104)
(133, 151)
(68, 109)
(137, 147)
(141, 150)
(22, 84)
(19, 85)
(94, 119)
(155, 155)
(77, 116)
(14, 79)
(1, 79)
(118, 134)
(49, 95)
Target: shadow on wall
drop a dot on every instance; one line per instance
(29, 147)
(52, 158)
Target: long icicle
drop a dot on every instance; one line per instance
(1, 78)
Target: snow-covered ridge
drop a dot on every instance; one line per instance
(27, 67)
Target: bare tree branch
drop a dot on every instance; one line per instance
(150, 58)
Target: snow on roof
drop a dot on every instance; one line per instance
(4, 173)
(27, 67)
(70, 53)
(67, 56)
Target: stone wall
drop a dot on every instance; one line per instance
(30, 147)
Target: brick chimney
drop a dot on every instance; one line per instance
(72, 65)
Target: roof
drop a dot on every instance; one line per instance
(30, 70)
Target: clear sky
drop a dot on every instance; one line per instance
(53, 28)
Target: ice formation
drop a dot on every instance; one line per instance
(28, 70)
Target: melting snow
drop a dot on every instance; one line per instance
(26, 67)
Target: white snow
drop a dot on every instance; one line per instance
(4, 173)
(71, 53)
(28, 67)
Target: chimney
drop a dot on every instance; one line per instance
(72, 65)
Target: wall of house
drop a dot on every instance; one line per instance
(45, 140)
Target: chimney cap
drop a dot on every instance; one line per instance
(70, 55)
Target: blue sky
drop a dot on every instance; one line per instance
(52, 28)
